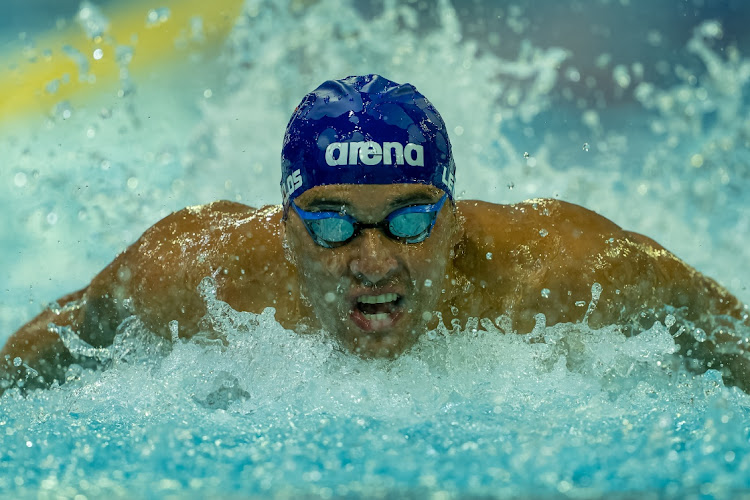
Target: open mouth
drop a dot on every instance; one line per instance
(376, 312)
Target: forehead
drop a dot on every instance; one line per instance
(369, 198)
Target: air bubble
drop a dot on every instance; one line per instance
(580, 303)
(428, 283)
(543, 233)
(17, 361)
(526, 154)
(330, 297)
(52, 218)
(586, 146)
(545, 293)
(98, 54)
(488, 256)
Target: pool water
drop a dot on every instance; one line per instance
(639, 118)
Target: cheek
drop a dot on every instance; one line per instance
(321, 270)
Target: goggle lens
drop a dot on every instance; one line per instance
(411, 224)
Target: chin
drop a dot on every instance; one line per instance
(368, 345)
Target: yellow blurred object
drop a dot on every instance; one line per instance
(80, 58)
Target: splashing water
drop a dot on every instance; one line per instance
(564, 410)
(266, 411)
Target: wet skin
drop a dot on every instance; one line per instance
(481, 260)
(404, 282)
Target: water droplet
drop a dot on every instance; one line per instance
(52, 218)
(208, 93)
(20, 179)
(157, 16)
(585, 146)
(92, 20)
(196, 28)
(174, 330)
(17, 361)
(52, 86)
(428, 283)
(427, 315)
(596, 291)
(711, 29)
(132, 182)
(98, 54)
(526, 154)
(124, 54)
(330, 297)
(669, 320)
(489, 256)
(700, 335)
(545, 293)
(543, 233)
(81, 61)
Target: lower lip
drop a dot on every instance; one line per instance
(368, 325)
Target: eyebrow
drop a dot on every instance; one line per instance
(397, 202)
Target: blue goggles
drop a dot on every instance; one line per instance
(411, 224)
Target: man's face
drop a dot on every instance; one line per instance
(375, 294)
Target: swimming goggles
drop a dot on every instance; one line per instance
(411, 224)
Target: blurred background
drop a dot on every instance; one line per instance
(113, 114)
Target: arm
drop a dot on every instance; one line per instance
(157, 279)
(562, 249)
(40, 348)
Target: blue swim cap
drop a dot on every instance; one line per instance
(365, 130)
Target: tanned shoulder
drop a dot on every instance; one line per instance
(158, 277)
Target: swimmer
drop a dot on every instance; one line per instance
(371, 246)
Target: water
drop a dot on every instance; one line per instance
(644, 124)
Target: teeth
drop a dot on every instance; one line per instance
(377, 299)
(376, 317)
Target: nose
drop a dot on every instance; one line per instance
(373, 261)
